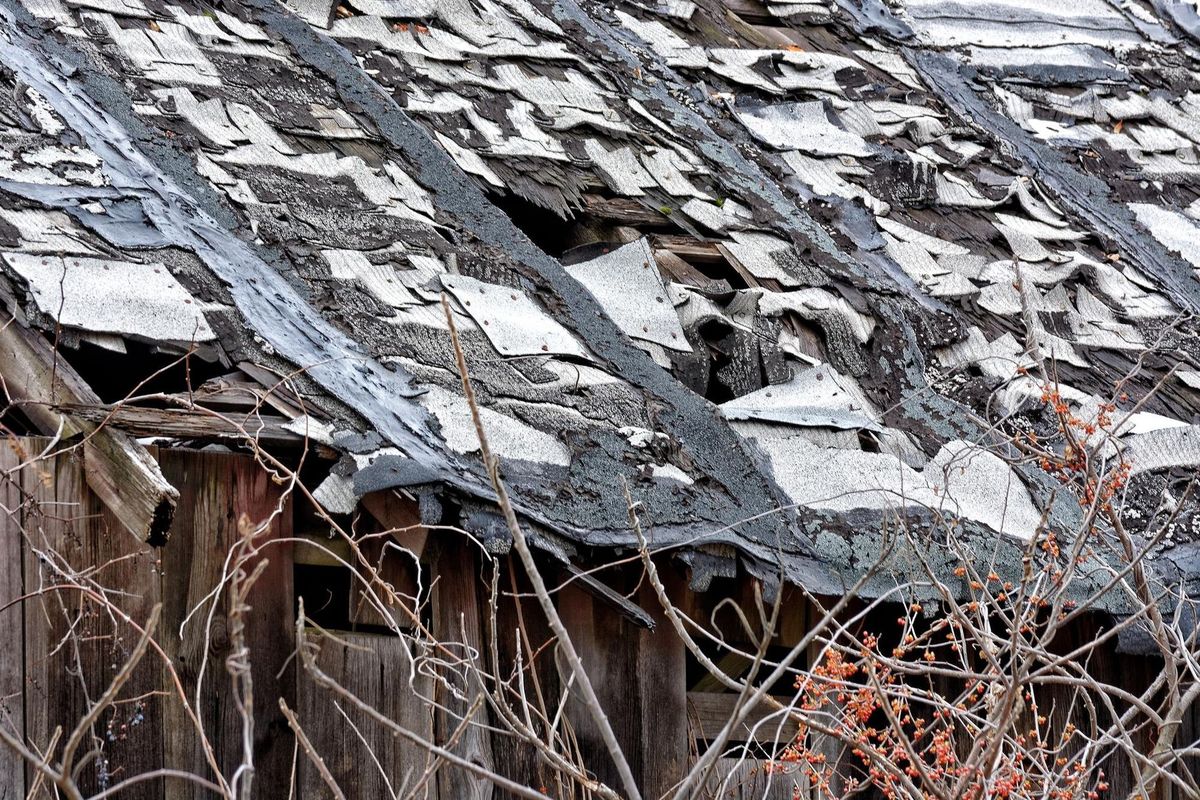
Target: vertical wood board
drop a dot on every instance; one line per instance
(361, 754)
(457, 622)
(216, 491)
(74, 644)
(12, 628)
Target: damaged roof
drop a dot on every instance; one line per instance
(777, 268)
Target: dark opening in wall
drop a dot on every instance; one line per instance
(340, 592)
(325, 591)
(333, 594)
(16, 423)
(718, 610)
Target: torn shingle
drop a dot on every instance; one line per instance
(919, 215)
(139, 300)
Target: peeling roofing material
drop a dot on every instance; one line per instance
(815, 397)
(773, 266)
(627, 284)
(512, 322)
(137, 300)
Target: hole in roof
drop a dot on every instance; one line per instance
(544, 228)
(713, 332)
(140, 370)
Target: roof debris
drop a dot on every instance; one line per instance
(766, 267)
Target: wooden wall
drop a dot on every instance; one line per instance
(660, 712)
(49, 678)
(47, 682)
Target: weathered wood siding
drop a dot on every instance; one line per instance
(61, 649)
(12, 653)
(217, 492)
(54, 524)
(362, 755)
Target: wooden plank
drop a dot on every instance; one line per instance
(12, 653)
(392, 520)
(74, 646)
(606, 594)
(606, 643)
(516, 609)
(709, 712)
(274, 390)
(235, 390)
(661, 678)
(674, 268)
(830, 747)
(640, 675)
(1109, 667)
(54, 489)
(363, 756)
(749, 10)
(400, 517)
(118, 470)
(623, 210)
(734, 665)
(688, 248)
(457, 623)
(748, 779)
(323, 552)
(219, 489)
(405, 699)
(795, 617)
(233, 427)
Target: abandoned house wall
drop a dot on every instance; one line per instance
(661, 705)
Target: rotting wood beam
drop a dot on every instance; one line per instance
(194, 424)
(594, 586)
(688, 247)
(621, 209)
(119, 470)
(275, 390)
(749, 11)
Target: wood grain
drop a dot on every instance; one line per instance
(640, 677)
(70, 530)
(363, 756)
(118, 469)
(12, 654)
(232, 427)
(661, 686)
(457, 622)
(218, 489)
